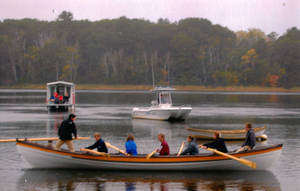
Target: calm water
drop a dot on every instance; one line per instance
(23, 114)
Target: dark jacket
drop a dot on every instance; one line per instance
(218, 144)
(66, 129)
(192, 149)
(250, 139)
(100, 145)
(66, 98)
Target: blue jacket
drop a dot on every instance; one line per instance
(250, 139)
(218, 144)
(131, 148)
(100, 145)
(192, 149)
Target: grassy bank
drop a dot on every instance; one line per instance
(148, 87)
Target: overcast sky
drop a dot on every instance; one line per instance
(267, 15)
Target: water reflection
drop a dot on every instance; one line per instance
(54, 121)
(163, 181)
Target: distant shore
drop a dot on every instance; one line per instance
(149, 87)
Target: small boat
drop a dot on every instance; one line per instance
(41, 156)
(162, 108)
(60, 96)
(228, 135)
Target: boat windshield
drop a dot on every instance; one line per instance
(165, 98)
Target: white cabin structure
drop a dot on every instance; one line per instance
(60, 96)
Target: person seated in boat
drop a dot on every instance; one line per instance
(52, 98)
(60, 98)
(192, 149)
(164, 146)
(218, 143)
(99, 144)
(65, 131)
(130, 145)
(56, 98)
(250, 140)
(66, 98)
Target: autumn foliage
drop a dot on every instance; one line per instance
(191, 52)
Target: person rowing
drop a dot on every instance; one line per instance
(130, 145)
(250, 140)
(192, 148)
(164, 146)
(218, 143)
(99, 144)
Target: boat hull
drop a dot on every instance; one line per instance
(59, 107)
(172, 113)
(227, 135)
(42, 157)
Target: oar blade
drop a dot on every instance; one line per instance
(182, 145)
(243, 161)
(150, 155)
(248, 163)
(96, 152)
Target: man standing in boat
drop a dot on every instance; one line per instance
(65, 131)
(165, 147)
(218, 144)
(250, 139)
(99, 144)
(192, 149)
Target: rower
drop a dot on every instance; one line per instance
(99, 144)
(250, 140)
(218, 143)
(192, 149)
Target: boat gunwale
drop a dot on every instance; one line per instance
(238, 131)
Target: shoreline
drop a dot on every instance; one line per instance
(149, 87)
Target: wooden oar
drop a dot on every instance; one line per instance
(39, 139)
(96, 152)
(243, 161)
(150, 154)
(182, 145)
(116, 148)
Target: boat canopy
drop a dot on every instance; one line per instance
(163, 95)
(60, 83)
(61, 88)
(162, 88)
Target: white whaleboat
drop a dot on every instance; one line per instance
(162, 108)
(42, 156)
(228, 134)
(60, 96)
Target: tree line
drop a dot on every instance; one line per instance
(191, 51)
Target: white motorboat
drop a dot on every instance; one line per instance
(162, 108)
(60, 96)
